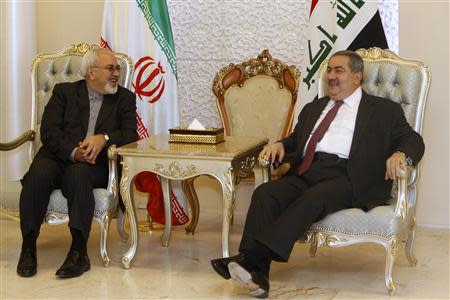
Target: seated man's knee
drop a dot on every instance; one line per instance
(42, 172)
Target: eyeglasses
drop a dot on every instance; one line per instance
(109, 68)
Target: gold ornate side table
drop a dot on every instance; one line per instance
(227, 162)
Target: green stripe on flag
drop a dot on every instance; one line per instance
(157, 16)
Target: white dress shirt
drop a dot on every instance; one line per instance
(338, 138)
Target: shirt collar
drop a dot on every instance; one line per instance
(354, 98)
(93, 94)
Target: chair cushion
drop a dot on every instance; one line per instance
(380, 221)
(103, 203)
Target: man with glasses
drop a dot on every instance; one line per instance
(80, 121)
(349, 147)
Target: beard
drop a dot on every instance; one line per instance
(110, 89)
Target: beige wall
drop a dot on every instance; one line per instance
(61, 23)
(424, 35)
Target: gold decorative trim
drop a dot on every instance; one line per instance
(393, 247)
(112, 153)
(24, 137)
(263, 64)
(196, 139)
(79, 49)
(123, 186)
(175, 170)
(228, 193)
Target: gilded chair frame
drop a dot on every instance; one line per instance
(392, 224)
(264, 64)
(404, 195)
(55, 216)
(237, 75)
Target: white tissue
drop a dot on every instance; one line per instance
(196, 125)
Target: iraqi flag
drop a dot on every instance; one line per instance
(338, 25)
(142, 29)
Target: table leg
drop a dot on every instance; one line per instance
(126, 193)
(191, 196)
(167, 212)
(227, 183)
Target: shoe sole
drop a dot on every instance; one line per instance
(27, 275)
(88, 267)
(243, 278)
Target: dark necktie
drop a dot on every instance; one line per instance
(317, 136)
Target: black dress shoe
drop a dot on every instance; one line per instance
(74, 265)
(254, 279)
(220, 265)
(27, 263)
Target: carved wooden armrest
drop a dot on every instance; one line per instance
(24, 137)
(401, 209)
(113, 174)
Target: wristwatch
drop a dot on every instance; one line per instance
(409, 161)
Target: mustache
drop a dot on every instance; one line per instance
(113, 77)
(333, 82)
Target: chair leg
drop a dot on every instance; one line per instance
(121, 226)
(104, 229)
(391, 252)
(410, 244)
(314, 244)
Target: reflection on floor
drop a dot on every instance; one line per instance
(182, 271)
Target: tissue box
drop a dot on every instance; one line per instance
(185, 135)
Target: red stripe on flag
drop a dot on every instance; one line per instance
(104, 44)
(313, 5)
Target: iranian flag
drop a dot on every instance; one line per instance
(142, 30)
(338, 25)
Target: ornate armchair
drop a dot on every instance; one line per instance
(254, 98)
(406, 82)
(47, 69)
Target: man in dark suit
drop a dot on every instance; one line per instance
(348, 147)
(80, 121)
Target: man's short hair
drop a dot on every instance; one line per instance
(355, 62)
(89, 60)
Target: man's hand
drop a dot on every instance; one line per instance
(273, 152)
(395, 165)
(92, 146)
(79, 155)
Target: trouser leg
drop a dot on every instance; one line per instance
(311, 206)
(78, 182)
(268, 202)
(38, 183)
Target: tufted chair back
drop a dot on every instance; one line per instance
(257, 97)
(390, 76)
(48, 69)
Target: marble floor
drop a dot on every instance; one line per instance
(182, 271)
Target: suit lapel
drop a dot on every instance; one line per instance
(106, 109)
(83, 104)
(365, 111)
(311, 121)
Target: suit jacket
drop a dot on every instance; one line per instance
(380, 130)
(66, 117)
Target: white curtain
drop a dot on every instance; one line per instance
(17, 50)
